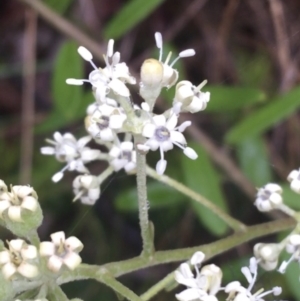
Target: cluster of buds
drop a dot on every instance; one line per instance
(122, 128)
(207, 283)
(269, 198)
(20, 210)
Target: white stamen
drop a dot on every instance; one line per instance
(73, 81)
(85, 54)
(110, 48)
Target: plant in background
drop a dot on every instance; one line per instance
(125, 132)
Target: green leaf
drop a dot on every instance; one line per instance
(59, 6)
(159, 196)
(224, 98)
(129, 16)
(69, 64)
(263, 119)
(292, 276)
(201, 176)
(254, 160)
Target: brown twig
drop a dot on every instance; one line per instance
(27, 115)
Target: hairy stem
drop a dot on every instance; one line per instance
(141, 179)
(116, 269)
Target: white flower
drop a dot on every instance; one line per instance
(268, 197)
(204, 286)
(19, 198)
(67, 149)
(190, 97)
(61, 251)
(162, 133)
(104, 122)
(18, 258)
(87, 189)
(239, 293)
(292, 247)
(267, 255)
(111, 78)
(294, 178)
(123, 156)
(170, 75)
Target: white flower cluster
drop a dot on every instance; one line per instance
(207, 282)
(113, 122)
(23, 260)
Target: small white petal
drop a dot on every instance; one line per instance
(54, 263)
(295, 186)
(145, 106)
(190, 294)
(58, 237)
(161, 166)
(74, 244)
(47, 150)
(184, 125)
(294, 174)
(72, 260)
(47, 248)
(149, 130)
(8, 270)
(29, 252)
(14, 213)
(4, 257)
(189, 152)
(247, 274)
(85, 54)
(28, 270)
(30, 203)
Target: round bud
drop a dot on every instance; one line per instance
(152, 72)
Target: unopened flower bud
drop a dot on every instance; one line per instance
(267, 255)
(152, 72)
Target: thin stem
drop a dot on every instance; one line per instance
(141, 178)
(158, 287)
(105, 174)
(56, 293)
(230, 221)
(116, 269)
(120, 288)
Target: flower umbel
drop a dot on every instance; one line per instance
(75, 153)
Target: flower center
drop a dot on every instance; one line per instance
(126, 155)
(162, 134)
(103, 122)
